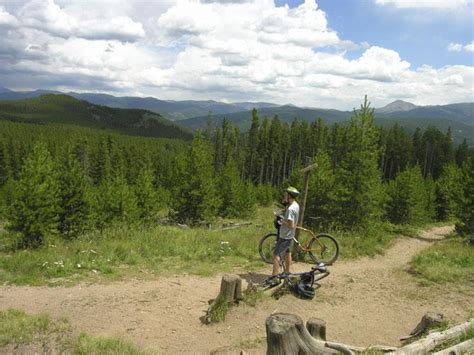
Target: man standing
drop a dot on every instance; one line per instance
(287, 231)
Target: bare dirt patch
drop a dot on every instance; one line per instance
(364, 302)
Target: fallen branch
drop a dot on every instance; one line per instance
(458, 348)
(235, 226)
(424, 345)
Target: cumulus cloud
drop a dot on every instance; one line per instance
(230, 50)
(426, 4)
(49, 17)
(457, 47)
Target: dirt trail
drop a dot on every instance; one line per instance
(368, 301)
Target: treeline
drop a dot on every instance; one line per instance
(60, 180)
(365, 175)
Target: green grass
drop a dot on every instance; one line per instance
(445, 262)
(18, 328)
(85, 344)
(131, 251)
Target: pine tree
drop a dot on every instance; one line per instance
(449, 192)
(235, 197)
(465, 226)
(409, 198)
(321, 199)
(359, 189)
(147, 197)
(198, 198)
(34, 212)
(75, 209)
(116, 202)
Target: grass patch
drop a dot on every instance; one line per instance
(370, 242)
(219, 309)
(252, 295)
(449, 261)
(20, 329)
(16, 327)
(85, 344)
(251, 343)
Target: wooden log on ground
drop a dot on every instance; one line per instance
(317, 328)
(458, 348)
(429, 320)
(424, 345)
(287, 335)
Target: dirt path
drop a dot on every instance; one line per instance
(364, 302)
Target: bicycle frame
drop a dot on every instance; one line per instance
(301, 246)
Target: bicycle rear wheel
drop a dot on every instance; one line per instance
(323, 250)
(266, 245)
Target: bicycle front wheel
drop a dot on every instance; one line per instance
(266, 245)
(323, 248)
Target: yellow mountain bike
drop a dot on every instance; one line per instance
(321, 248)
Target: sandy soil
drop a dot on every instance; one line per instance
(367, 301)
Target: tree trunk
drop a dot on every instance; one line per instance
(286, 335)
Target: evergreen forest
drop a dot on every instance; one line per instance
(59, 180)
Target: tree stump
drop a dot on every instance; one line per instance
(231, 288)
(317, 328)
(230, 293)
(429, 320)
(287, 335)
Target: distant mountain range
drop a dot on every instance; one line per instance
(172, 110)
(457, 116)
(64, 109)
(193, 114)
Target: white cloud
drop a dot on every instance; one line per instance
(49, 17)
(7, 19)
(426, 4)
(230, 50)
(457, 47)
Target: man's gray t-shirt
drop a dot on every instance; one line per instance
(292, 213)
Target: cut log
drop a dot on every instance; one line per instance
(287, 335)
(424, 345)
(429, 320)
(231, 288)
(317, 328)
(457, 349)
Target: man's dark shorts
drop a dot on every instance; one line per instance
(282, 246)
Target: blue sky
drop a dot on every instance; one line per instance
(419, 35)
(318, 53)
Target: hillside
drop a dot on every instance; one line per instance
(172, 110)
(63, 109)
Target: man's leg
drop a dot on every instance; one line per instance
(276, 264)
(287, 261)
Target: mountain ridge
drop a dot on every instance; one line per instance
(65, 109)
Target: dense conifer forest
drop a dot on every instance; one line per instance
(63, 180)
